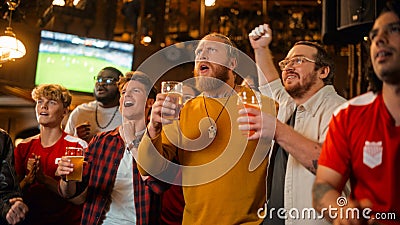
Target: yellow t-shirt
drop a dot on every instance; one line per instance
(220, 185)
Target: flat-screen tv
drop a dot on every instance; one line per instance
(74, 61)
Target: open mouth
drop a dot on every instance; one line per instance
(203, 67)
(290, 77)
(382, 54)
(128, 104)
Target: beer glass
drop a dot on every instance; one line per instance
(75, 154)
(249, 99)
(173, 89)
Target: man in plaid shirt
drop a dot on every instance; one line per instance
(115, 191)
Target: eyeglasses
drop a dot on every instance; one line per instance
(389, 29)
(295, 61)
(105, 80)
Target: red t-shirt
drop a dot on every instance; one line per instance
(45, 206)
(363, 144)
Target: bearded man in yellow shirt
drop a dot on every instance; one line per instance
(223, 174)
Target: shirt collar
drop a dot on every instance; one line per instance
(115, 132)
(313, 103)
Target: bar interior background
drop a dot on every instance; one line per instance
(340, 24)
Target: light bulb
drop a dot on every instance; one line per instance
(209, 3)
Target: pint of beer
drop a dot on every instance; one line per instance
(247, 100)
(75, 154)
(173, 90)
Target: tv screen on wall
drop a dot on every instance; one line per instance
(74, 61)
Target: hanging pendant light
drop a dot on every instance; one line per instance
(10, 47)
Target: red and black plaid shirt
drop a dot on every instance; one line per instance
(103, 155)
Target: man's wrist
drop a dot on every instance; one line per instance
(152, 131)
(134, 144)
(26, 182)
(63, 187)
(64, 178)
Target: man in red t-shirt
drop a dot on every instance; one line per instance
(36, 160)
(363, 141)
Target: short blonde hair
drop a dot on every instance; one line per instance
(53, 92)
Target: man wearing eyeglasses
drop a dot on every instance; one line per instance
(306, 100)
(100, 115)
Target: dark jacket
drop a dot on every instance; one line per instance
(9, 186)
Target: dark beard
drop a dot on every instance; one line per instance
(208, 83)
(299, 90)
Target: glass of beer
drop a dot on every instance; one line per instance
(249, 99)
(75, 154)
(173, 89)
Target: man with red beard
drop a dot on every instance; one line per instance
(306, 100)
(219, 186)
(100, 115)
(363, 141)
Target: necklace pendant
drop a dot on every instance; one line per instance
(212, 132)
